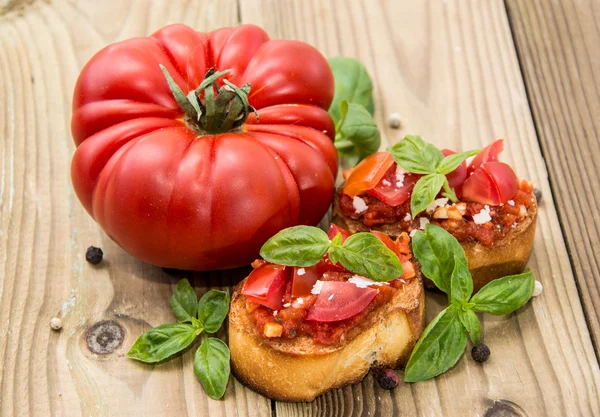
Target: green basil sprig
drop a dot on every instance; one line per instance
(352, 109)
(417, 156)
(361, 253)
(211, 361)
(444, 340)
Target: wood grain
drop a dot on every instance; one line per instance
(558, 49)
(44, 233)
(448, 67)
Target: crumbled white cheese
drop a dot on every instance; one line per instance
(359, 205)
(413, 233)
(482, 217)
(275, 312)
(400, 176)
(301, 271)
(330, 297)
(438, 202)
(511, 202)
(386, 182)
(364, 282)
(424, 222)
(316, 289)
(286, 305)
(297, 302)
(537, 290)
(300, 300)
(408, 217)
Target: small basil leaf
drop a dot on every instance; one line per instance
(184, 301)
(197, 325)
(448, 191)
(461, 282)
(415, 155)
(161, 342)
(439, 348)
(470, 321)
(212, 310)
(352, 83)
(364, 254)
(451, 162)
(358, 135)
(337, 240)
(505, 295)
(296, 246)
(425, 191)
(435, 249)
(211, 366)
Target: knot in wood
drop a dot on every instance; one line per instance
(104, 337)
(504, 408)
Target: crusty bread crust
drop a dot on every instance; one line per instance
(300, 370)
(507, 256)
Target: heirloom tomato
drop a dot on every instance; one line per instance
(194, 148)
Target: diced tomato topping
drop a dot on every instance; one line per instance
(266, 285)
(304, 279)
(458, 176)
(368, 173)
(339, 300)
(333, 231)
(387, 241)
(388, 191)
(492, 183)
(488, 154)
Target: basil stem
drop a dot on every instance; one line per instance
(212, 310)
(184, 301)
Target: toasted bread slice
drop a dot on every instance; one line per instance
(300, 370)
(507, 256)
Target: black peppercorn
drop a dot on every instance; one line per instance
(538, 194)
(480, 352)
(387, 378)
(94, 255)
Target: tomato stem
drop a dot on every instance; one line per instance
(221, 110)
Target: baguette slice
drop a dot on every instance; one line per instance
(300, 370)
(507, 256)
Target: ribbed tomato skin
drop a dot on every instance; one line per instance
(174, 198)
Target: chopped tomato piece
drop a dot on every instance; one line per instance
(304, 279)
(488, 154)
(339, 300)
(334, 229)
(266, 285)
(409, 269)
(388, 190)
(387, 241)
(458, 176)
(368, 173)
(492, 183)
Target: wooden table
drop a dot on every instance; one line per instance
(461, 73)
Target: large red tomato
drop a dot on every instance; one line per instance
(176, 192)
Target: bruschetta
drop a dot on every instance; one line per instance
(493, 215)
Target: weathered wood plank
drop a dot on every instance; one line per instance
(557, 44)
(44, 232)
(450, 69)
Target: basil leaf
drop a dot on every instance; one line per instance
(505, 295)
(211, 366)
(425, 191)
(435, 249)
(296, 246)
(439, 348)
(448, 191)
(470, 321)
(461, 282)
(364, 254)
(451, 162)
(415, 155)
(184, 301)
(357, 136)
(212, 310)
(352, 83)
(162, 341)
